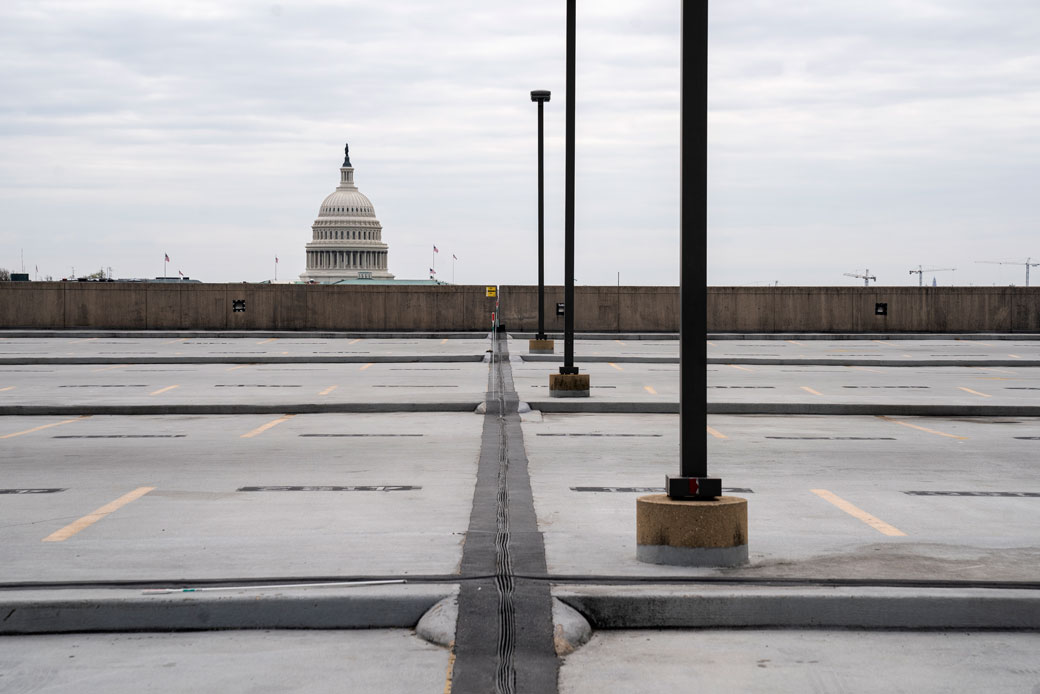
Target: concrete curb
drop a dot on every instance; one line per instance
(619, 359)
(873, 336)
(831, 408)
(232, 409)
(770, 361)
(603, 407)
(305, 334)
(599, 336)
(616, 607)
(55, 612)
(786, 408)
(374, 359)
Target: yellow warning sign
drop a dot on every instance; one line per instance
(492, 291)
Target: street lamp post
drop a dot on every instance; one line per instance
(540, 96)
(568, 202)
(569, 383)
(693, 481)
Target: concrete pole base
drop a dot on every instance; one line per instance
(540, 346)
(692, 533)
(569, 385)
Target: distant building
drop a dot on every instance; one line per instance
(346, 241)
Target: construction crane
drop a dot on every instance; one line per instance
(921, 270)
(866, 277)
(1013, 262)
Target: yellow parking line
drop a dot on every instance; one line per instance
(650, 389)
(712, 344)
(717, 434)
(267, 341)
(794, 343)
(365, 366)
(7, 388)
(619, 342)
(807, 389)
(858, 513)
(85, 339)
(863, 368)
(328, 390)
(163, 390)
(973, 392)
(444, 341)
(179, 339)
(109, 368)
(615, 366)
(742, 368)
(44, 426)
(353, 341)
(991, 368)
(264, 427)
(914, 426)
(88, 520)
(1014, 356)
(240, 366)
(880, 342)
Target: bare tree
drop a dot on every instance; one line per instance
(5, 275)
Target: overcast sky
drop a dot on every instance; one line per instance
(844, 136)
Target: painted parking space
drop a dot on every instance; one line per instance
(152, 384)
(828, 495)
(313, 495)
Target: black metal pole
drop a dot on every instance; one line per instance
(568, 205)
(693, 481)
(541, 96)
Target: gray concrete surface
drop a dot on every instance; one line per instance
(371, 660)
(894, 512)
(776, 462)
(196, 524)
(792, 662)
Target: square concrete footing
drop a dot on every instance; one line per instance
(568, 385)
(540, 346)
(691, 533)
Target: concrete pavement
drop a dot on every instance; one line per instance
(921, 522)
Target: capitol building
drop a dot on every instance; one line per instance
(346, 243)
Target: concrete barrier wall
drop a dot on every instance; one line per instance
(597, 309)
(853, 309)
(159, 306)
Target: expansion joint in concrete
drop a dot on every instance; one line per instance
(504, 638)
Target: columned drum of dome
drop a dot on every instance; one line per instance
(347, 239)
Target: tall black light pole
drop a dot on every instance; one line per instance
(693, 481)
(541, 96)
(568, 204)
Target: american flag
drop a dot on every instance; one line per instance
(276, 259)
(453, 257)
(180, 273)
(432, 271)
(167, 255)
(435, 250)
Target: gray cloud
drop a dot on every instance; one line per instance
(842, 135)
